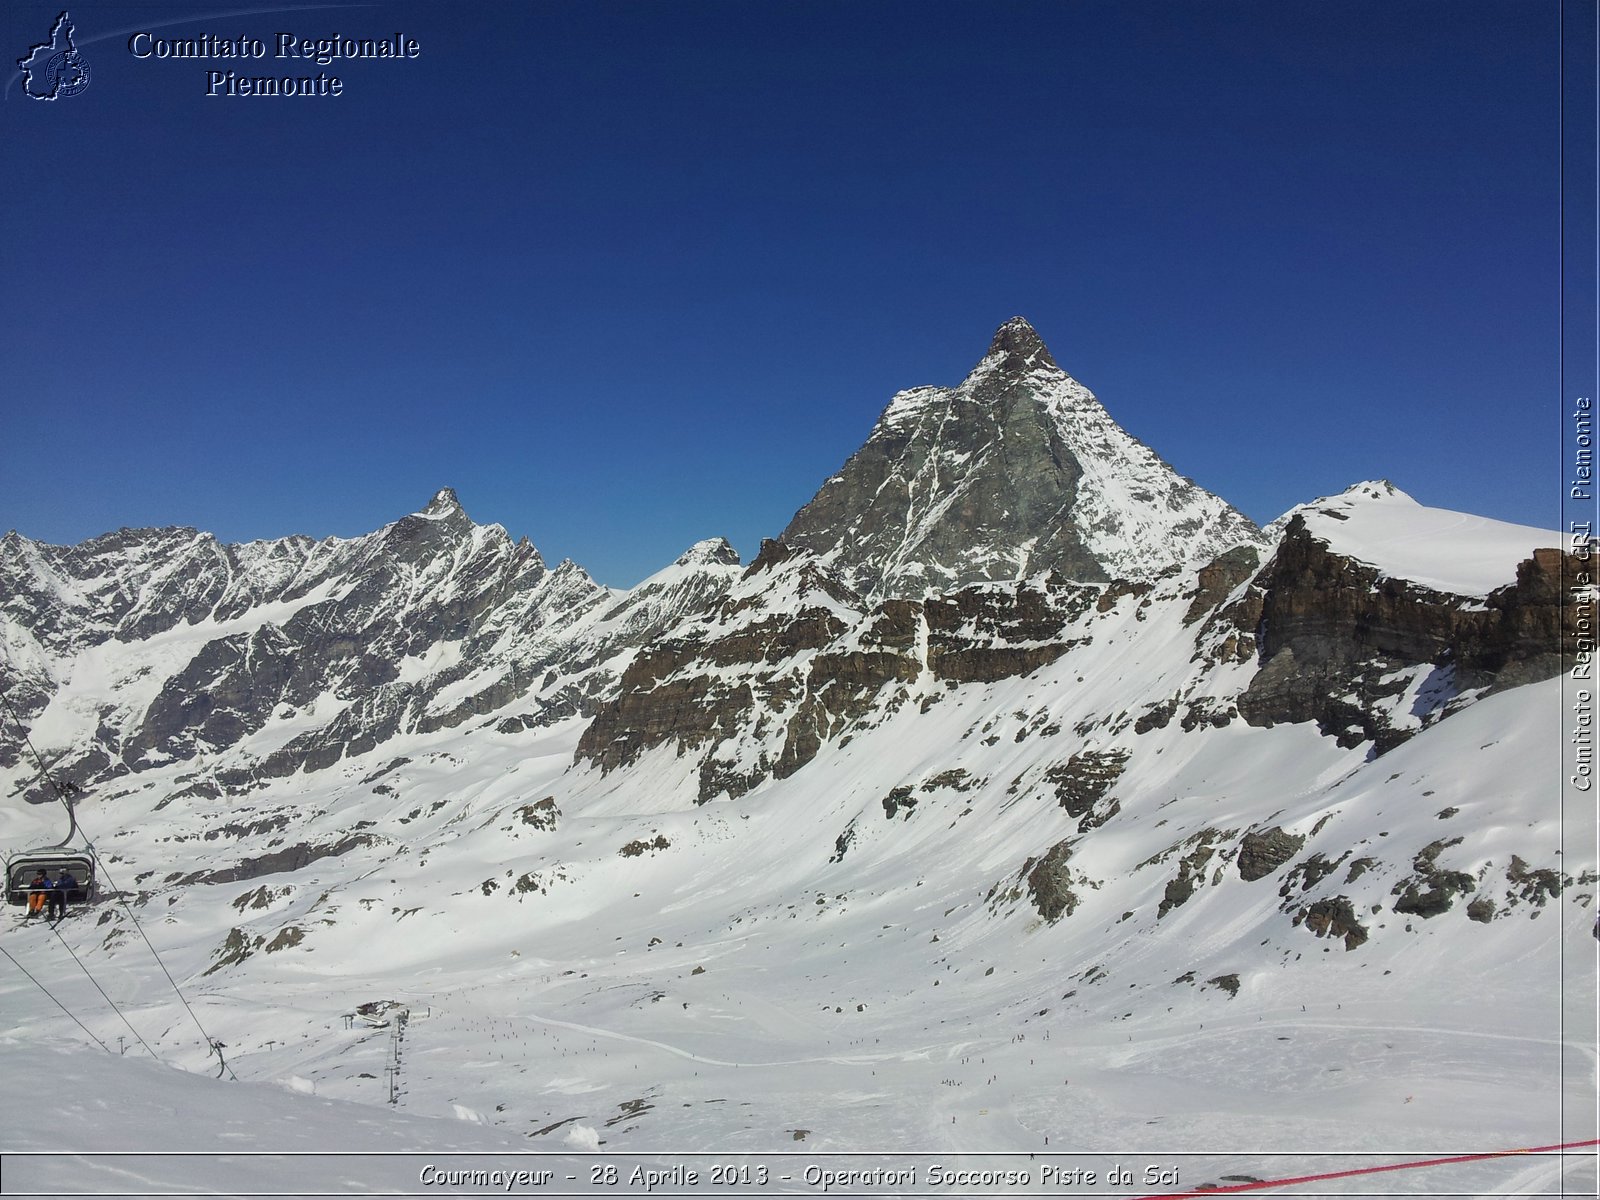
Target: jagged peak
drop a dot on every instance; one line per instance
(444, 504)
(714, 550)
(1018, 346)
(443, 521)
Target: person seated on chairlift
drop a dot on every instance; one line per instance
(37, 889)
(56, 894)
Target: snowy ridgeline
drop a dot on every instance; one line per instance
(1226, 868)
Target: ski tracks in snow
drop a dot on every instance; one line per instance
(667, 1048)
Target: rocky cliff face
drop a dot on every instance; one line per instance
(1017, 471)
(753, 691)
(1343, 643)
(794, 658)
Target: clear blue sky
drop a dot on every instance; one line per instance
(628, 275)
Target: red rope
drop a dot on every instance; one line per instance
(1404, 1166)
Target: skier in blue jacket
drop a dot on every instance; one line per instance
(57, 894)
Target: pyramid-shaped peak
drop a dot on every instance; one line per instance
(1020, 344)
(709, 551)
(1017, 471)
(444, 503)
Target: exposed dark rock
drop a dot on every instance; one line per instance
(291, 858)
(1431, 890)
(718, 776)
(235, 948)
(841, 844)
(957, 779)
(983, 634)
(1331, 627)
(1155, 716)
(394, 764)
(287, 937)
(898, 801)
(1334, 918)
(1050, 883)
(1228, 983)
(201, 789)
(1309, 872)
(772, 552)
(1216, 581)
(818, 675)
(541, 814)
(1083, 782)
(1263, 851)
(1359, 868)
(1531, 885)
(637, 847)
(1116, 590)
(235, 829)
(262, 897)
(1191, 869)
(671, 693)
(1204, 710)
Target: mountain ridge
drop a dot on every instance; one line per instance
(630, 849)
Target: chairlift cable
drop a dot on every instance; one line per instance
(121, 898)
(57, 1002)
(55, 785)
(102, 992)
(100, 867)
(22, 726)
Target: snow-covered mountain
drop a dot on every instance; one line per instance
(1017, 471)
(1020, 797)
(146, 647)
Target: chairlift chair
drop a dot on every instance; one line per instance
(21, 868)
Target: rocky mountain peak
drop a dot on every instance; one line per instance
(1016, 471)
(440, 525)
(444, 503)
(1019, 347)
(710, 550)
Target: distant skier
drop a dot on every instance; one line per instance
(37, 888)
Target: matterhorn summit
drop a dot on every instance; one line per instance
(1017, 471)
